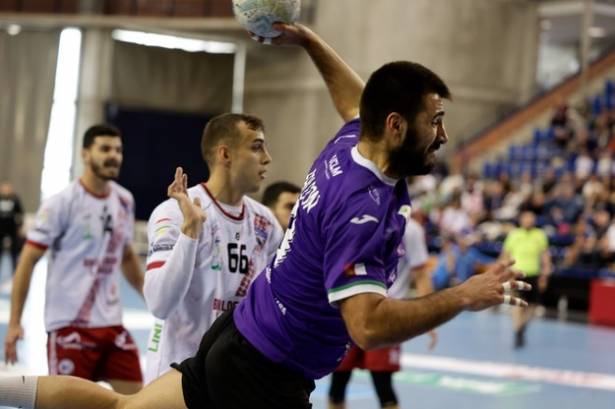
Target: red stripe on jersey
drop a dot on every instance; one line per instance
(227, 214)
(164, 219)
(40, 246)
(155, 264)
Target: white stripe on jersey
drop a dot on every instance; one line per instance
(190, 282)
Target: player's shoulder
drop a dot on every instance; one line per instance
(257, 208)
(65, 196)
(124, 195)
(167, 210)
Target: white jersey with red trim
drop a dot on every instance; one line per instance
(86, 235)
(189, 283)
(415, 254)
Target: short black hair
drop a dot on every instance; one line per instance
(397, 87)
(99, 130)
(274, 190)
(225, 128)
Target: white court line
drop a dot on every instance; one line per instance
(511, 371)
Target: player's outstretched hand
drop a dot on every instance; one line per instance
(494, 287)
(13, 334)
(194, 216)
(292, 34)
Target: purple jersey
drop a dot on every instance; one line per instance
(342, 240)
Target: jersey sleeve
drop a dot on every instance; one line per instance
(415, 245)
(354, 260)
(50, 223)
(163, 230)
(170, 261)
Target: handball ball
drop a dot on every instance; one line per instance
(257, 16)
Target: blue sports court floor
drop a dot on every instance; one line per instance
(564, 366)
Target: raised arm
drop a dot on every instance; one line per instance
(345, 86)
(173, 242)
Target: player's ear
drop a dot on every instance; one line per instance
(395, 125)
(223, 153)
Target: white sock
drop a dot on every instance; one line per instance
(18, 391)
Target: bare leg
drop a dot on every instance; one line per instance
(66, 392)
(125, 387)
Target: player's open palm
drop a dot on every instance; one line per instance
(13, 334)
(493, 287)
(194, 216)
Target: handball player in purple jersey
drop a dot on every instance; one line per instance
(326, 287)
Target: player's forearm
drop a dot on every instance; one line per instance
(344, 84)
(167, 285)
(21, 285)
(131, 267)
(394, 321)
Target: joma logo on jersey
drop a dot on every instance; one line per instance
(366, 218)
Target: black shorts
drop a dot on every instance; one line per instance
(229, 373)
(534, 296)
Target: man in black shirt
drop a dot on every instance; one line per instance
(11, 217)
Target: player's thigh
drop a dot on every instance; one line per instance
(125, 387)
(163, 393)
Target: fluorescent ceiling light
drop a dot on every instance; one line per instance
(173, 42)
(13, 29)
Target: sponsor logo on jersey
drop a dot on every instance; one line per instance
(224, 305)
(366, 218)
(158, 247)
(333, 165)
(261, 230)
(374, 193)
(154, 342)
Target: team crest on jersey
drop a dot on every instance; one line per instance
(261, 230)
(66, 367)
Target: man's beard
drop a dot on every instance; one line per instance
(407, 160)
(98, 170)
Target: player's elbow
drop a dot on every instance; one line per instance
(366, 340)
(154, 300)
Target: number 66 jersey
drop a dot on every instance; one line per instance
(190, 282)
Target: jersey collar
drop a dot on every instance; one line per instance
(371, 166)
(224, 212)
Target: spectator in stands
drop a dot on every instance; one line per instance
(529, 246)
(584, 164)
(11, 218)
(454, 221)
(493, 199)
